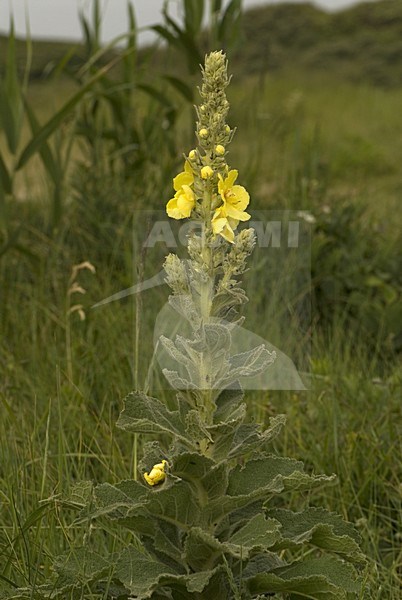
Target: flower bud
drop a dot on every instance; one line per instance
(203, 133)
(192, 154)
(206, 172)
(220, 150)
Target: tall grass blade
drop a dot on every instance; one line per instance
(5, 179)
(181, 87)
(193, 15)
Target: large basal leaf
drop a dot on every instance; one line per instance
(79, 568)
(319, 527)
(141, 575)
(325, 578)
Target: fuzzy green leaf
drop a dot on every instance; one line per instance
(143, 414)
(141, 575)
(195, 427)
(191, 466)
(318, 527)
(227, 402)
(175, 503)
(260, 472)
(117, 500)
(215, 482)
(248, 437)
(324, 578)
(80, 567)
(260, 479)
(259, 532)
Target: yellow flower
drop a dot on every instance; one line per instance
(203, 133)
(219, 149)
(157, 474)
(183, 202)
(235, 200)
(206, 172)
(192, 154)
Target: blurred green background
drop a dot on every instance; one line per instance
(90, 136)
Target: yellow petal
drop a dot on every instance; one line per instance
(231, 211)
(240, 198)
(231, 178)
(172, 210)
(221, 225)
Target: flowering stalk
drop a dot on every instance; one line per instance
(203, 515)
(206, 192)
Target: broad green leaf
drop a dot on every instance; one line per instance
(318, 527)
(248, 364)
(259, 480)
(167, 540)
(248, 437)
(117, 500)
(191, 466)
(228, 400)
(224, 433)
(143, 414)
(215, 481)
(324, 578)
(260, 472)
(142, 575)
(80, 566)
(201, 549)
(259, 532)
(175, 503)
(195, 427)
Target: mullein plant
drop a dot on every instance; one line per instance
(209, 512)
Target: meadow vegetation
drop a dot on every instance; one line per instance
(319, 131)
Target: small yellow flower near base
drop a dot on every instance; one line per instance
(206, 172)
(157, 474)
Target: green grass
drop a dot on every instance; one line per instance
(306, 140)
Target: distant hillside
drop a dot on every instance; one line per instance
(362, 43)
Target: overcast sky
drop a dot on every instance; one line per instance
(59, 18)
